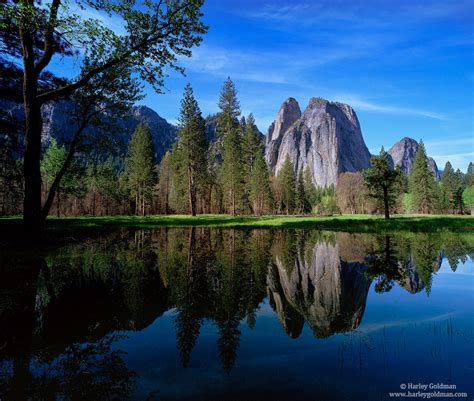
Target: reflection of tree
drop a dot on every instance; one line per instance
(86, 372)
(383, 264)
(189, 299)
(217, 275)
(46, 363)
(427, 257)
(457, 248)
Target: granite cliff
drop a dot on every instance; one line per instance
(326, 137)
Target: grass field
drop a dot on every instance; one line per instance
(354, 223)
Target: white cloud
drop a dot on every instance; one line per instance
(361, 104)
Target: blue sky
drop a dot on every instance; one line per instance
(406, 67)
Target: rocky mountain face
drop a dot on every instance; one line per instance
(326, 137)
(111, 134)
(403, 154)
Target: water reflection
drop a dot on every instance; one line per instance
(61, 312)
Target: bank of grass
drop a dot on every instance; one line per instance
(352, 223)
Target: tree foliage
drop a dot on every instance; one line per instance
(422, 183)
(140, 168)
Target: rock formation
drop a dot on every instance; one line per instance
(326, 138)
(403, 155)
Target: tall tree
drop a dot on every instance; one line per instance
(251, 144)
(164, 182)
(448, 184)
(231, 174)
(310, 188)
(155, 34)
(459, 187)
(192, 145)
(421, 182)
(230, 109)
(302, 204)
(382, 182)
(288, 183)
(140, 168)
(260, 191)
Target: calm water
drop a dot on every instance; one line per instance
(211, 314)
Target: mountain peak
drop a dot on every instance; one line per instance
(403, 154)
(326, 139)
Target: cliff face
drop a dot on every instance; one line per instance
(403, 154)
(115, 133)
(326, 138)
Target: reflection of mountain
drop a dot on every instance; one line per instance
(72, 302)
(328, 292)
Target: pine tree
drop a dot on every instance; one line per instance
(288, 182)
(310, 188)
(164, 182)
(192, 146)
(448, 183)
(302, 204)
(458, 190)
(140, 168)
(231, 172)
(260, 191)
(382, 182)
(230, 109)
(252, 148)
(232, 178)
(422, 184)
(251, 144)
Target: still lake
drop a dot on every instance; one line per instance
(226, 314)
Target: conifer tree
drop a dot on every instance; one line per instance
(192, 147)
(252, 148)
(260, 191)
(288, 183)
(310, 188)
(164, 182)
(230, 109)
(140, 168)
(251, 144)
(458, 190)
(302, 204)
(422, 184)
(231, 172)
(448, 183)
(382, 182)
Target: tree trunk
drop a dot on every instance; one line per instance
(192, 192)
(31, 167)
(58, 205)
